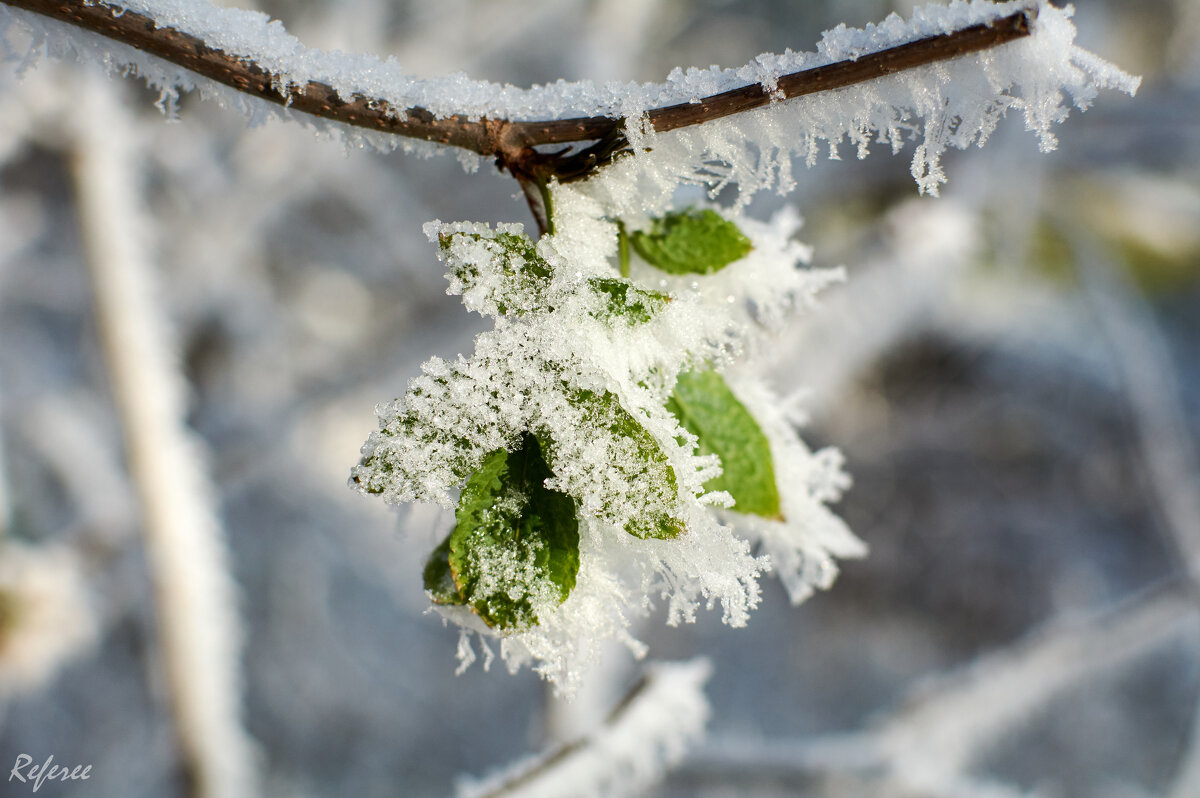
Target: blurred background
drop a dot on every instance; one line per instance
(1012, 371)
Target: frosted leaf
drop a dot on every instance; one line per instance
(514, 550)
(497, 273)
(805, 544)
(705, 406)
(691, 242)
(587, 361)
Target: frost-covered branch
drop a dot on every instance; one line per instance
(930, 742)
(647, 732)
(246, 52)
(943, 730)
(198, 622)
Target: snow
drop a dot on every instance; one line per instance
(253, 35)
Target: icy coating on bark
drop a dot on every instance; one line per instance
(253, 35)
(949, 104)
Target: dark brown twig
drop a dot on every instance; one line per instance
(511, 142)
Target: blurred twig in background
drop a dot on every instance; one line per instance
(198, 620)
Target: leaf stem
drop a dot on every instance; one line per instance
(547, 205)
(623, 248)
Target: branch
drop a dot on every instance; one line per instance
(200, 633)
(928, 745)
(644, 735)
(510, 141)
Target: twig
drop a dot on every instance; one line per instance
(646, 732)
(512, 142)
(1143, 361)
(942, 731)
(929, 742)
(199, 629)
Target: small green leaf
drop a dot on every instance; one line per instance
(691, 242)
(651, 470)
(515, 544)
(626, 301)
(524, 274)
(707, 408)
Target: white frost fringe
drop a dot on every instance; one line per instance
(644, 737)
(199, 626)
(953, 103)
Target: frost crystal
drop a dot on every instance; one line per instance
(955, 103)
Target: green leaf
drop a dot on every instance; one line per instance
(381, 470)
(707, 408)
(626, 301)
(524, 274)
(651, 470)
(515, 543)
(691, 242)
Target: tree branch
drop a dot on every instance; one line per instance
(646, 733)
(511, 142)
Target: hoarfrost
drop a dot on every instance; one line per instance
(953, 103)
(587, 360)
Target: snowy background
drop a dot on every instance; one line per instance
(1010, 372)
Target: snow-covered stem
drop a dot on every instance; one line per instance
(199, 629)
(646, 733)
(935, 738)
(929, 743)
(510, 139)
